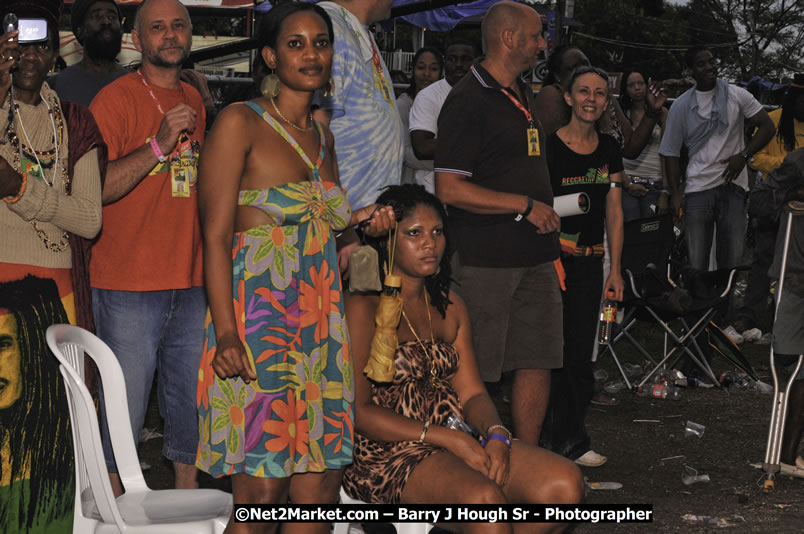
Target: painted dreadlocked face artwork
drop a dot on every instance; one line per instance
(10, 375)
(36, 452)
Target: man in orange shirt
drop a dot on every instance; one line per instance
(147, 285)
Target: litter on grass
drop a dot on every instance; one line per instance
(711, 521)
(602, 485)
(692, 476)
(694, 429)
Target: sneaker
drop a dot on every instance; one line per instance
(591, 459)
(733, 334)
(754, 334)
(765, 339)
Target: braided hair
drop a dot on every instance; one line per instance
(786, 132)
(405, 199)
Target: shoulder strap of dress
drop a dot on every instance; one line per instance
(287, 137)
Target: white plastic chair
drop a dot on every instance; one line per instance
(401, 528)
(139, 510)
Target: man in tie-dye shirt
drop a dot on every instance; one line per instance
(360, 109)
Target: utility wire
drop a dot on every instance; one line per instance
(649, 46)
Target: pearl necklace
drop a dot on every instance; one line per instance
(310, 118)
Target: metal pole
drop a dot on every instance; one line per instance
(559, 21)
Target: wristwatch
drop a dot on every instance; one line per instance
(746, 155)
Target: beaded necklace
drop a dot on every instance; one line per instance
(24, 147)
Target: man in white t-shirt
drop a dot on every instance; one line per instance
(427, 106)
(709, 119)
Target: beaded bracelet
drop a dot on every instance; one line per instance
(424, 431)
(496, 437)
(19, 194)
(501, 427)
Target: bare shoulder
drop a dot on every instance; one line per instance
(233, 117)
(360, 305)
(456, 310)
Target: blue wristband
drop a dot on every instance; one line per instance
(497, 437)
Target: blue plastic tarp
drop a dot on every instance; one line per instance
(439, 20)
(445, 18)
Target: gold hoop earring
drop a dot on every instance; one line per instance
(269, 87)
(329, 89)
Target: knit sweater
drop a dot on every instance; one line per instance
(53, 210)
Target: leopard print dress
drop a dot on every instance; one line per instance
(380, 469)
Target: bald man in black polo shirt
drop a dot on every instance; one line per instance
(491, 171)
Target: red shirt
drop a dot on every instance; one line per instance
(150, 239)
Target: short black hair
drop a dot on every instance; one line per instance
(554, 62)
(689, 57)
(80, 9)
(270, 24)
(462, 42)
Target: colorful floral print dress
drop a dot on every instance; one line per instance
(297, 416)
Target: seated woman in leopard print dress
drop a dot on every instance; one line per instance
(403, 451)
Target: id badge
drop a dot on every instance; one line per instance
(181, 178)
(533, 142)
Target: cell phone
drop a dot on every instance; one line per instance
(32, 30)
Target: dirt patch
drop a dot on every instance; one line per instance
(649, 459)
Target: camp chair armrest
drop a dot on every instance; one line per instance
(631, 281)
(732, 273)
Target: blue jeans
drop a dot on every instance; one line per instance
(155, 331)
(639, 207)
(721, 208)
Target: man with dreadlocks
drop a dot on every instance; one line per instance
(36, 453)
(52, 158)
(51, 162)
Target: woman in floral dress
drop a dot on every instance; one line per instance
(275, 386)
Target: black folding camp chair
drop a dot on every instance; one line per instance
(652, 296)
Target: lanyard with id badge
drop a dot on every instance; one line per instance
(534, 148)
(184, 158)
(184, 166)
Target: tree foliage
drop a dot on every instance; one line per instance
(751, 37)
(770, 33)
